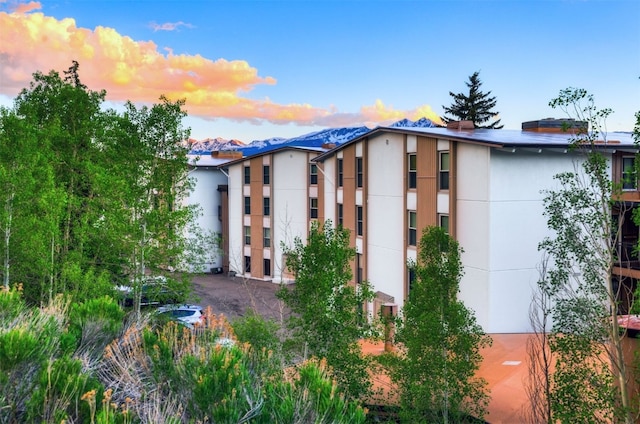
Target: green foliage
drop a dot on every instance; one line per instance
(327, 307)
(440, 340)
(588, 381)
(260, 333)
(76, 214)
(475, 106)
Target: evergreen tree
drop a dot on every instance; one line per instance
(475, 106)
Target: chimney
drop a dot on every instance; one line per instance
(226, 154)
(460, 125)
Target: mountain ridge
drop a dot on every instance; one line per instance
(314, 139)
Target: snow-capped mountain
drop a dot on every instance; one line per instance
(314, 139)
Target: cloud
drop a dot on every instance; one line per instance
(138, 71)
(169, 26)
(20, 8)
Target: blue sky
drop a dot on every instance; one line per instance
(306, 65)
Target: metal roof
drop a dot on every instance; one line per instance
(497, 138)
(268, 152)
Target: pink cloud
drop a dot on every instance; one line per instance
(136, 70)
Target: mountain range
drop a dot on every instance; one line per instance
(314, 139)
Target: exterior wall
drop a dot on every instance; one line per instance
(236, 219)
(205, 194)
(289, 205)
(386, 215)
(500, 223)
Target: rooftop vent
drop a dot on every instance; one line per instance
(552, 125)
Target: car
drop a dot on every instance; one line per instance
(154, 291)
(187, 315)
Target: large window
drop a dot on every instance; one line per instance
(266, 175)
(313, 208)
(340, 214)
(313, 174)
(359, 221)
(359, 172)
(266, 237)
(413, 228)
(247, 175)
(266, 206)
(443, 176)
(247, 205)
(412, 165)
(629, 177)
(247, 235)
(340, 172)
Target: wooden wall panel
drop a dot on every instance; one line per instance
(427, 167)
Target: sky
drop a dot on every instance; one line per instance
(252, 70)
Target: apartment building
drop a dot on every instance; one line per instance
(485, 187)
(270, 199)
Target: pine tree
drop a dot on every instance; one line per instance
(475, 106)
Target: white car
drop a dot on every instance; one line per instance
(187, 315)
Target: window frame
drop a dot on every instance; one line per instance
(266, 206)
(247, 205)
(628, 173)
(247, 174)
(313, 208)
(340, 213)
(412, 171)
(443, 174)
(313, 174)
(359, 220)
(266, 237)
(359, 172)
(247, 264)
(266, 175)
(266, 267)
(247, 235)
(340, 172)
(441, 218)
(412, 228)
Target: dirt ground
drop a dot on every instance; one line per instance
(233, 296)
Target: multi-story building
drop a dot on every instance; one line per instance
(271, 198)
(485, 187)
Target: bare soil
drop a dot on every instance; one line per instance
(234, 296)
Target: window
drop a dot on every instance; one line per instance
(359, 172)
(247, 175)
(266, 175)
(247, 205)
(359, 272)
(266, 206)
(247, 264)
(359, 221)
(266, 237)
(313, 205)
(413, 228)
(444, 222)
(313, 174)
(411, 279)
(444, 171)
(247, 235)
(629, 177)
(340, 170)
(412, 181)
(266, 264)
(340, 214)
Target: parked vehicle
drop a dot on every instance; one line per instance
(187, 315)
(153, 291)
